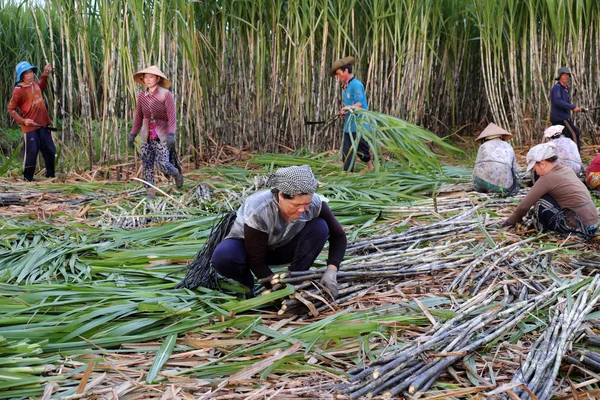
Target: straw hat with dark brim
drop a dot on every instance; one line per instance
(493, 130)
(154, 70)
(340, 63)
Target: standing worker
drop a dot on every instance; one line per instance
(155, 121)
(33, 118)
(560, 110)
(354, 96)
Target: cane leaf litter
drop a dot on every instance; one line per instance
(436, 299)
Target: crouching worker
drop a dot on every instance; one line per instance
(286, 224)
(592, 174)
(560, 201)
(495, 169)
(566, 149)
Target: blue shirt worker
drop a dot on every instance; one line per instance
(560, 110)
(354, 96)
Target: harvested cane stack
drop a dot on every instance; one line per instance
(414, 236)
(417, 366)
(540, 369)
(389, 265)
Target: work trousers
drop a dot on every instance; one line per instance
(348, 153)
(37, 141)
(156, 152)
(229, 258)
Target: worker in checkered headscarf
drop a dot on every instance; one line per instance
(287, 224)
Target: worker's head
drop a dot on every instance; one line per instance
(294, 187)
(342, 69)
(542, 158)
(25, 72)
(151, 77)
(553, 132)
(563, 75)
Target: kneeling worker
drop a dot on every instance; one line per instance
(287, 224)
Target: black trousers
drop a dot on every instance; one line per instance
(570, 130)
(36, 141)
(348, 154)
(229, 257)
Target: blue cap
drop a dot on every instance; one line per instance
(22, 67)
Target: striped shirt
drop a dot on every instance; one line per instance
(158, 105)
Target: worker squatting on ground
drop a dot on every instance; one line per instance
(155, 121)
(33, 118)
(289, 223)
(566, 149)
(495, 169)
(558, 200)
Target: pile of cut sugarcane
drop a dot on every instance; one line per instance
(385, 259)
(480, 321)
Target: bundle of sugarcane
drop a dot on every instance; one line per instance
(199, 272)
(446, 228)
(368, 271)
(589, 262)
(317, 300)
(10, 200)
(416, 367)
(585, 359)
(540, 369)
(502, 258)
(143, 214)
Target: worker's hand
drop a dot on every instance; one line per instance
(577, 109)
(329, 280)
(29, 122)
(171, 141)
(131, 141)
(47, 68)
(506, 224)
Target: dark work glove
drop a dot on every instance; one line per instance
(131, 141)
(266, 281)
(329, 280)
(506, 223)
(171, 141)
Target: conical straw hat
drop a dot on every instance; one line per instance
(154, 70)
(493, 130)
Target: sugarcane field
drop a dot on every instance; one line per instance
(378, 199)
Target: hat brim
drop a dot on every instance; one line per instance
(558, 77)
(530, 165)
(493, 130)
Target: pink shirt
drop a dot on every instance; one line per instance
(158, 105)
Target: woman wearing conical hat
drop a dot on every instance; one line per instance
(495, 169)
(155, 121)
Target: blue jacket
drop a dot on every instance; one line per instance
(561, 104)
(354, 93)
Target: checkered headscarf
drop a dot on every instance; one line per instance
(293, 180)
